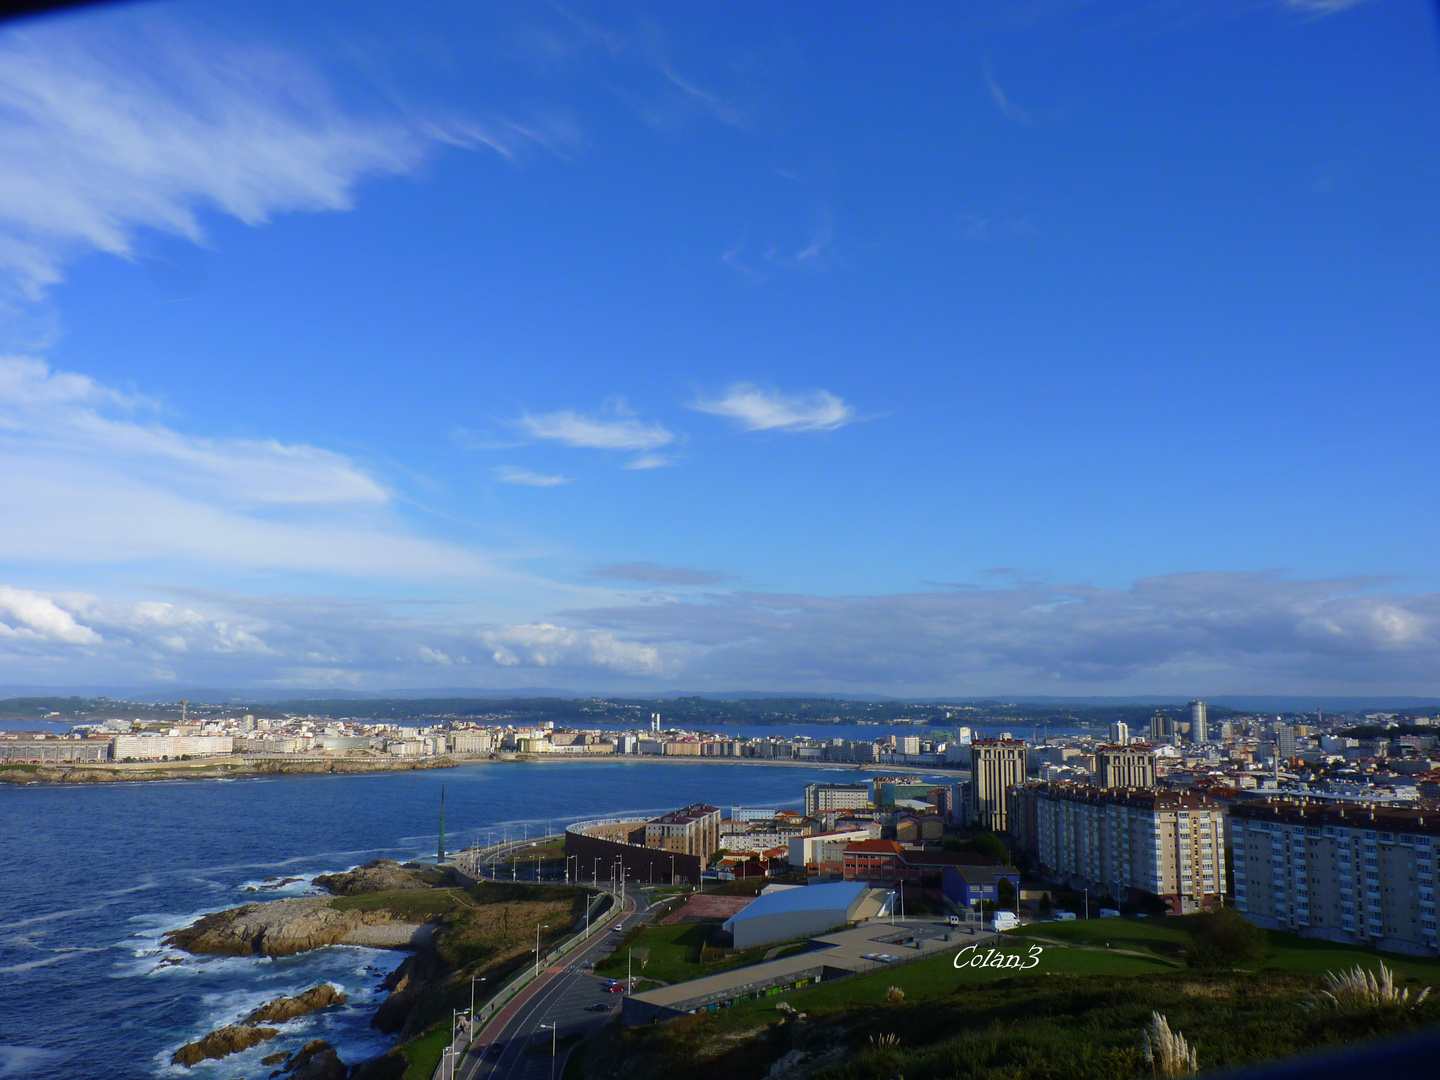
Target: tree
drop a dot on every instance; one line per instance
(992, 845)
(1225, 938)
(1005, 894)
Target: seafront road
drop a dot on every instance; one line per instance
(561, 996)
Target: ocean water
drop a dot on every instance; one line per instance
(92, 876)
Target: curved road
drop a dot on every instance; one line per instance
(561, 996)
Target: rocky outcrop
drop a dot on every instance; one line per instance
(382, 875)
(281, 1009)
(230, 1039)
(316, 1061)
(277, 928)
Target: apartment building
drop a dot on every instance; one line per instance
(45, 750)
(1340, 871)
(822, 798)
(823, 854)
(996, 765)
(1125, 766)
(693, 830)
(1133, 844)
(147, 747)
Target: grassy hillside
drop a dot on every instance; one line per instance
(1076, 1015)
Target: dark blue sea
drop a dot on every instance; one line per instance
(91, 877)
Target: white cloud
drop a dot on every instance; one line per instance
(116, 125)
(66, 414)
(1322, 7)
(510, 474)
(650, 461)
(93, 483)
(1180, 633)
(621, 431)
(1008, 108)
(758, 409)
(545, 645)
(35, 617)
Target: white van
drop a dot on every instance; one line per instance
(1064, 916)
(1109, 913)
(1005, 920)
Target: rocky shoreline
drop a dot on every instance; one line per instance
(450, 927)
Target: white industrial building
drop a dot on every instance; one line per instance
(786, 912)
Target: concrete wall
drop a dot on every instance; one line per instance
(644, 864)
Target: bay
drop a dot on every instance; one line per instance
(91, 877)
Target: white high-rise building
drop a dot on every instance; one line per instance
(1199, 724)
(1120, 733)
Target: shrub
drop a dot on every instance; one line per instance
(1358, 990)
(1166, 1051)
(1224, 938)
(894, 996)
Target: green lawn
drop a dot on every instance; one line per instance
(422, 1055)
(937, 977)
(17, 767)
(675, 953)
(1165, 938)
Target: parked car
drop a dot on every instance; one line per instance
(599, 1006)
(953, 920)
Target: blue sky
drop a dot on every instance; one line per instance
(1047, 347)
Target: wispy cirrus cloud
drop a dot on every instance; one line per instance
(97, 477)
(109, 128)
(654, 574)
(1320, 8)
(510, 474)
(619, 430)
(759, 409)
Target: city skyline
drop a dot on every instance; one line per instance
(1021, 350)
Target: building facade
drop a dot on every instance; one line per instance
(1343, 872)
(1130, 766)
(1199, 723)
(46, 751)
(822, 798)
(693, 830)
(996, 766)
(1135, 845)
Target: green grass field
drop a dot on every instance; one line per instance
(422, 1055)
(1165, 939)
(674, 955)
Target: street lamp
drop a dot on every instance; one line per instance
(473, 980)
(596, 869)
(672, 871)
(538, 928)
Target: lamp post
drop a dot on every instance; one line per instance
(538, 928)
(1087, 901)
(596, 868)
(473, 980)
(672, 871)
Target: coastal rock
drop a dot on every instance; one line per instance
(317, 1061)
(275, 1059)
(382, 875)
(230, 1039)
(281, 1009)
(276, 928)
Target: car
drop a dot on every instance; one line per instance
(599, 1006)
(618, 928)
(953, 920)
(616, 988)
